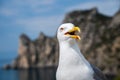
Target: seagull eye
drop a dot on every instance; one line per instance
(61, 29)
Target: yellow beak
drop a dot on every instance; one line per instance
(75, 29)
(72, 33)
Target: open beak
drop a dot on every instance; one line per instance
(73, 33)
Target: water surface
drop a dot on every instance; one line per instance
(31, 74)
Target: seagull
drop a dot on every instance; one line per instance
(72, 64)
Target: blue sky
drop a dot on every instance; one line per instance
(34, 16)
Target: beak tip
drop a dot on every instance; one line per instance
(78, 38)
(78, 29)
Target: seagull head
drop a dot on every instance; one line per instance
(68, 32)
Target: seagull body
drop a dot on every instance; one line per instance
(72, 64)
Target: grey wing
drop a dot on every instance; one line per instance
(98, 75)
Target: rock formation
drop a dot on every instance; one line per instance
(100, 43)
(100, 38)
(38, 53)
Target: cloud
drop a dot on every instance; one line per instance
(108, 7)
(37, 24)
(29, 15)
(40, 2)
(7, 12)
(19, 7)
(39, 5)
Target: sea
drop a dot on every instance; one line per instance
(47, 73)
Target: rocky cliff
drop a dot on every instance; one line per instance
(100, 38)
(38, 53)
(100, 43)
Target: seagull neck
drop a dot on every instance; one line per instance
(69, 45)
(70, 53)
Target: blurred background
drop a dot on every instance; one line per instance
(28, 36)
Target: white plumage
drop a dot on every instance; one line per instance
(72, 64)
